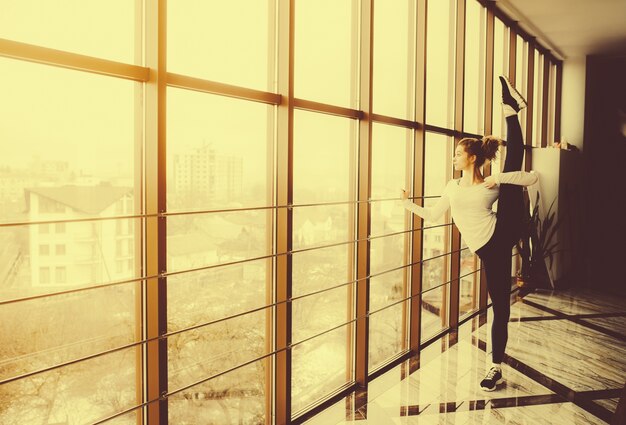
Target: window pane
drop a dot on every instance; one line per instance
(84, 392)
(324, 158)
(440, 53)
(434, 311)
(468, 298)
(387, 288)
(551, 106)
(391, 159)
(68, 143)
(322, 268)
(475, 46)
(201, 240)
(199, 297)
(436, 241)
(388, 253)
(219, 152)
(438, 163)
(104, 29)
(237, 397)
(394, 55)
(500, 67)
(44, 332)
(521, 77)
(538, 99)
(439, 152)
(317, 313)
(88, 257)
(469, 262)
(387, 334)
(326, 51)
(320, 366)
(229, 42)
(435, 271)
(202, 352)
(321, 225)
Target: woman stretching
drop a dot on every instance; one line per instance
(490, 235)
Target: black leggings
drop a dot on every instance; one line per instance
(496, 254)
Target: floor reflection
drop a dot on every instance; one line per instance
(565, 364)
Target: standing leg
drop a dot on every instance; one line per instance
(497, 264)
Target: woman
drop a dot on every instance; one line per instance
(490, 235)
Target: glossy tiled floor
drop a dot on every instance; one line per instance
(566, 364)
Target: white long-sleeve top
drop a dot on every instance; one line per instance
(471, 206)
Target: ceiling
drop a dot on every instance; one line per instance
(572, 28)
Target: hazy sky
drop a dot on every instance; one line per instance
(89, 120)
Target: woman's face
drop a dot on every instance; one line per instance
(462, 161)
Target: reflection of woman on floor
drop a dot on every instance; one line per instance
(490, 235)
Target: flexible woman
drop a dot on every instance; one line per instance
(491, 235)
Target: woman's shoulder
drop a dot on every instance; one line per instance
(452, 184)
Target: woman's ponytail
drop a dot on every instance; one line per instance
(490, 145)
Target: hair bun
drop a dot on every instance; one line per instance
(490, 146)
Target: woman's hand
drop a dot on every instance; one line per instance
(489, 182)
(405, 194)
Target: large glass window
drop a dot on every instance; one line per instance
(326, 34)
(206, 402)
(69, 143)
(438, 155)
(521, 77)
(440, 63)
(500, 67)
(470, 280)
(551, 106)
(391, 154)
(324, 170)
(394, 58)
(475, 47)
(90, 148)
(436, 240)
(100, 29)
(434, 310)
(213, 162)
(228, 42)
(537, 99)
(69, 155)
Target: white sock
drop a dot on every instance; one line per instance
(497, 366)
(508, 110)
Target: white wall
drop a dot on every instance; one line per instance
(573, 101)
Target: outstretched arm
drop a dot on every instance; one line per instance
(429, 213)
(520, 178)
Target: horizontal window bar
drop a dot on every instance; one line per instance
(63, 59)
(410, 125)
(212, 211)
(76, 290)
(71, 362)
(213, 87)
(78, 220)
(409, 231)
(308, 105)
